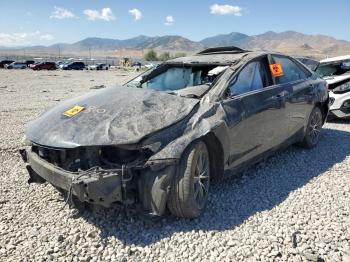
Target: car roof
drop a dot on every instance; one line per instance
(217, 55)
(335, 59)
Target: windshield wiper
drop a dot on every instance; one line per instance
(180, 95)
(190, 96)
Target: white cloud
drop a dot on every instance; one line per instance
(62, 13)
(105, 14)
(136, 13)
(47, 37)
(20, 39)
(225, 10)
(169, 20)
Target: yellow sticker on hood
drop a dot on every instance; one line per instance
(73, 111)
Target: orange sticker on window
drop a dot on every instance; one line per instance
(276, 70)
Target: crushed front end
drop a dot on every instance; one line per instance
(103, 175)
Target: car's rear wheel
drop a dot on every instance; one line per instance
(313, 130)
(189, 191)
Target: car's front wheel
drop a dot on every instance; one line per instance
(189, 191)
(313, 129)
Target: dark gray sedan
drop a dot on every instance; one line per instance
(162, 138)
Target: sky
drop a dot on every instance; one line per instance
(30, 22)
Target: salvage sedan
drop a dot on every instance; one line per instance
(162, 138)
(336, 71)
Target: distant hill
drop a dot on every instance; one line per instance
(290, 42)
(224, 40)
(297, 43)
(175, 43)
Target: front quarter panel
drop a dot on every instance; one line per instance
(210, 118)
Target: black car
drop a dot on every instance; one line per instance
(29, 62)
(74, 66)
(162, 138)
(5, 62)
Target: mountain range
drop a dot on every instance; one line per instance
(290, 42)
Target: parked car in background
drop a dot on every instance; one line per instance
(149, 66)
(5, 62)
(336, 71)
(29, 62)
(58, 63)
(62, 64)
(160, 139)
(44, 65)
(16, 65)
(74, 66)
(99, 66)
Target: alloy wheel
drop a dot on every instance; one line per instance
(315, 126)
(201, 178)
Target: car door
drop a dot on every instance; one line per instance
(261, 125)
(299, 92)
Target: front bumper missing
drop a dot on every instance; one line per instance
(104, 187)
(96, 186)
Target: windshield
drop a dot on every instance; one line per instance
(174, 77)
(334, 68)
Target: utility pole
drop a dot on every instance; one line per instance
(59, 52)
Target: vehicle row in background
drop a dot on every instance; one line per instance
(68, 65)
(45, 65)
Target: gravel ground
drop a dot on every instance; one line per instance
(293, 207)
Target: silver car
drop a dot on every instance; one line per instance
(16, 65)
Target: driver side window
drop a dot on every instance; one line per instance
(249, 79)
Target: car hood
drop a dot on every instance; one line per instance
(111, 116)
(336, 79)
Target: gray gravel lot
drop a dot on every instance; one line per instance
(293, 207)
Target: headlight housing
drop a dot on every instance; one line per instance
(25, 141)
(153, 147)
(342, 88)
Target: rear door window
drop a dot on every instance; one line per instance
(249, 79)
(289, 70)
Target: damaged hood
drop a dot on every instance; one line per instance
(336, 79)
(111, 116)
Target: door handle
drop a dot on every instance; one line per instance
(280, 96)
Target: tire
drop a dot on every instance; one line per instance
(313, 129)
(189, 191)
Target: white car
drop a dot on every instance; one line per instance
(336, 71)
(99, 66)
